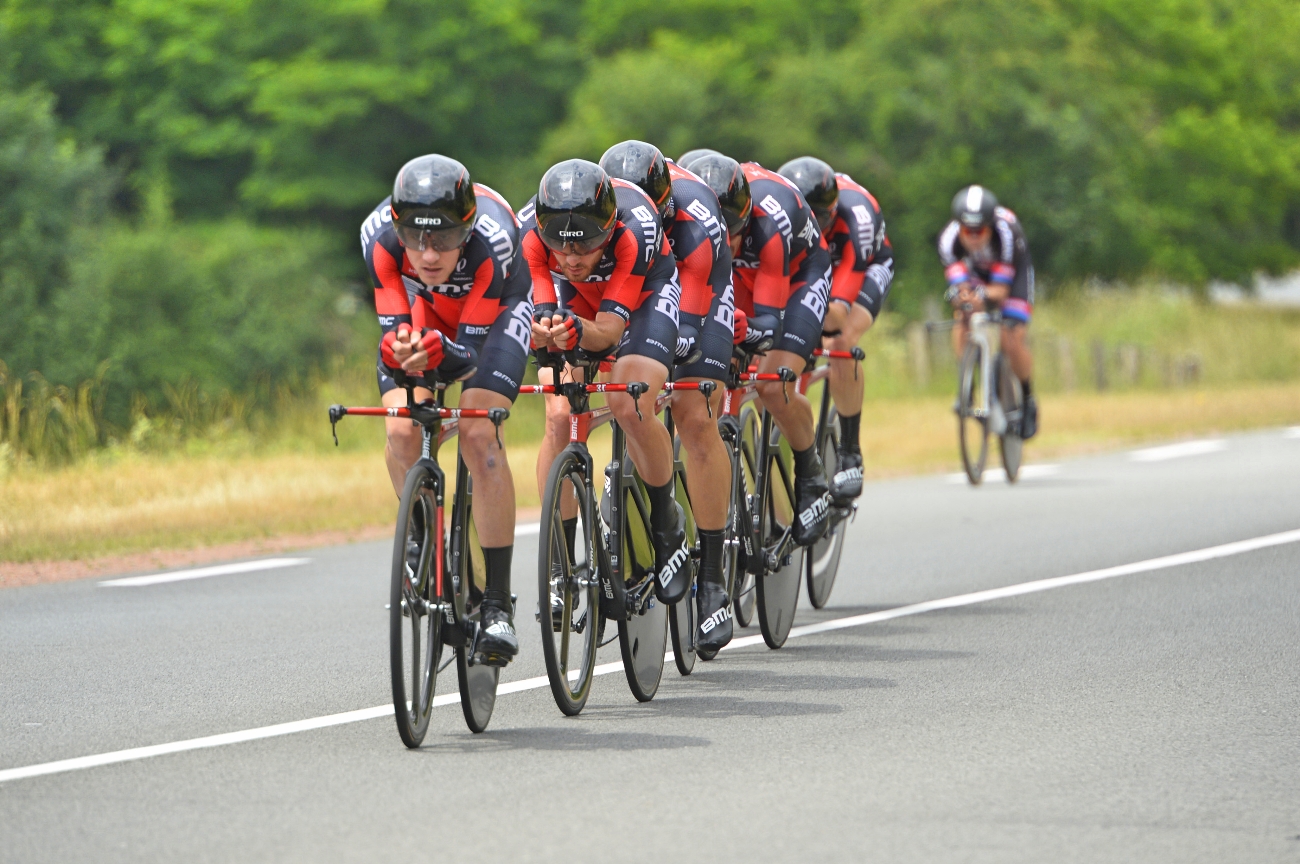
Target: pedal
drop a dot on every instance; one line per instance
(500, 661)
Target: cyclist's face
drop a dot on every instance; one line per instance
(433, 267)
(736, 241)
(977, 238)
(578, 268)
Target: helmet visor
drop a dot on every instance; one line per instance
(825, 217)
(444, 240)
(737, 223)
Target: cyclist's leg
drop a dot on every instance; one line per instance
(846, 383)
(404, 439)
(1017, 311)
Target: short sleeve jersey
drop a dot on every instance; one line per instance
(473, 294)
(618, 282)
(780, 234)
(1006, 255)
(857, 240)
(697, 235)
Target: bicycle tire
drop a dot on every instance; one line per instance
(643, 636)
(823, 557)
(778, 590)
(681, 615)
(577, 584)
(972, 430)
(478, 681)
(415, 630)
(1012, 399)
(745, 587)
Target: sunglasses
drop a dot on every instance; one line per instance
(576, 247)
(446, 240)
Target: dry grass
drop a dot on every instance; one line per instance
(141, 502)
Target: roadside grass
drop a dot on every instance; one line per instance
(131, 502)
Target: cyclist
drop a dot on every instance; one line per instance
(986, 260)
(604, 279)
(781, 274)
(452, 296)
(863, 261)
(694, 224)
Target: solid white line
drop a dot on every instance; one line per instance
(1183, 558)
(1177, 451)
(1293, 432)
(204, 572)
(528, 529)
(999, 475)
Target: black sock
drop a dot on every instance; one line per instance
(662, 511)
(806, 462)
(1025, 386)
(497, 562)
(571, 536)
(711, 556)
(849, 433)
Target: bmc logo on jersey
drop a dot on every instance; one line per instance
(773, 208)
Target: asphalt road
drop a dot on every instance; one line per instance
(1147, 717)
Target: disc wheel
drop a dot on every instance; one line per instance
(570, 633)
(744, 589)
(681, 615)
(972, 426)
(778, 590)
(643, 637)
(823, 557)
(1012, 399)
(414, 625)
(478, 681)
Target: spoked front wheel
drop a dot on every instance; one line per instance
(972, 420)
(414, 621)
(478, 681)
(1011, 397)
(778, 590)
(567, 589)
(823, 557)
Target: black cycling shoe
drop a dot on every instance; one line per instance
(713, 608)
(1029, 420)
(812, 507)
(846, 485)
(497, 643)
(672, 560)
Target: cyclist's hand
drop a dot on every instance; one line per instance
(740, 326)
(428, 353)
(566, 330)
(542, 328)
(396, 347)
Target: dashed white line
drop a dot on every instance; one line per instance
(999, 475)
(1181, 559)
(1177, 451)
(1293, 432)
(528, 529)
(205, 572)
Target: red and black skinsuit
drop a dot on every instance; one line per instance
(485, 305)
(635, 279)
(1005, 261)
(783, 272)
(861, 254)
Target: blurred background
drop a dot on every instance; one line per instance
(182, 184)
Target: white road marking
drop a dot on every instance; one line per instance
(528, 529)
(1293, 432)
(999, 475)
(1177, 451)
(204, 572)
(1163, 563)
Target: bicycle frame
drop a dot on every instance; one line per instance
(984, 327)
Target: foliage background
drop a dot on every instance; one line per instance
(183, 179)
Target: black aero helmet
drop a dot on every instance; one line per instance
(576, 206)
(433, 203)
(726, 178)
(973, 207)
(691, 155)
(816, 180)
(641, 163)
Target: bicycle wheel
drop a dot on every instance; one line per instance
(744, 593)
(478, 681)
(414, 624)
(823, 558)
(569, 639)
(1012, 399)
(681, 615)
(643, 637)
(778, 590)
(972, 424)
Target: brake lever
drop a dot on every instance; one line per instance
(635, 389)
(707, 388)
(498, 416)
(787, 376)
(337, 413)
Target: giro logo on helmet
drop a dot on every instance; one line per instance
(427, 220)
(572, 233)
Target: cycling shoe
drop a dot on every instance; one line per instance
(497, 643)
(846, 485)
(672, 560)
(1029, 420)
(713, 609)
(812, 507)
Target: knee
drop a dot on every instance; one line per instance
(694, 422)
(557, 418)
(478, 444)
(403, 436)
(624, 410)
